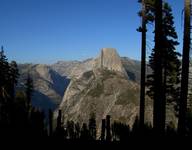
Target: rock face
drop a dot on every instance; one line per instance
(105, 85)
(49, 86)
(110, 60)
(51, 81)
(104, 90)
(73, 69)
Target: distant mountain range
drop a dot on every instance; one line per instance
(51, 81)
(108, 84)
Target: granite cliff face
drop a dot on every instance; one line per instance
(49, 86)
(104, 90)
(105, 85)
(109, 59)
(73, 69)
(51, 81)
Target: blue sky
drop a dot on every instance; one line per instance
(44, 31)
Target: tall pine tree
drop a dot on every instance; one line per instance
(146, 15)
(185, 69)
(29, 87)
(168, 60)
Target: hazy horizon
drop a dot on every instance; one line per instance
(65, 60)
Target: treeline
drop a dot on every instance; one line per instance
(17, 116)
(168, 84)
(107, 132)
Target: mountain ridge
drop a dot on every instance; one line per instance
(47, 91)
(107, 89)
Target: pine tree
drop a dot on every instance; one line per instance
(29, 88)
(185, 69)
(108, 128)
(20, 114)
(92, 126)
(146, 15)
(170, 64)
(143, 66)
(120, 131)
(8, 79)
(159, 101)
(135, 127)
(77, 131)
(37, 123)
(13, 78)
(59, 121)
(84, 132)
(50, 122)
(103, 130)
(71, 130)
(3, 76)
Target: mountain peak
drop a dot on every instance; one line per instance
(109, 59)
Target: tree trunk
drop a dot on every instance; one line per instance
(50, 123)
(103, 130)
(108, 128)
(159, 101)
(143, 67)
(185, 70)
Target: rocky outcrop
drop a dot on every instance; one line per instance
(105, 85)
(52, 80)
(110, 60)
(73, 69)
(104, 90)
(49, 86)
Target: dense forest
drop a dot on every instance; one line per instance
(167, 83)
